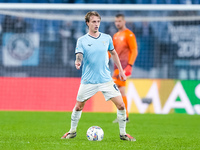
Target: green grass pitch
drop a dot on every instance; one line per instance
(43, 130)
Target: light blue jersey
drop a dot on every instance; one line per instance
(95, 58)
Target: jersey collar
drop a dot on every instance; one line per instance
(94, 37)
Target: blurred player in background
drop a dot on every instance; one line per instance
(126, 47)
(92, 50)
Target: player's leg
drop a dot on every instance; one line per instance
(84, 93)
(121, 86)
(75, 117)
(121, 113)
(121, 116)
(122, 91)
(111, 92)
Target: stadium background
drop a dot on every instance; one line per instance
(37, 59)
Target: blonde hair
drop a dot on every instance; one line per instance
(91, 13)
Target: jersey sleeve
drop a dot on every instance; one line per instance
(110, 47)
(79, 47)
(133, 48)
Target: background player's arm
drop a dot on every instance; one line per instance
(116, 60)
(132, 43)
(78, 61)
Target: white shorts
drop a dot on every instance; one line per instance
(109, 90)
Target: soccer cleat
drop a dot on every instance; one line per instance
(116, 120)
(69, 135)
(127, 137)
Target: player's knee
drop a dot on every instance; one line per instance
(121, 106)
(78, 108)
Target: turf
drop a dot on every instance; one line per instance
(43, 130)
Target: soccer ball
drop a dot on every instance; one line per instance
(95, 133)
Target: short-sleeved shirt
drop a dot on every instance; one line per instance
(95, 67)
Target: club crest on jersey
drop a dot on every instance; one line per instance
(121, 38)
(104, 43)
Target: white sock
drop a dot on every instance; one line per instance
(121, 116)
(76, 115)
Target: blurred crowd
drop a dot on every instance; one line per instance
(107, 1)
(160, 43)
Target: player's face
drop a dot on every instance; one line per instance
(94, 24)
(119, 22)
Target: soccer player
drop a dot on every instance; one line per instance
(126, 47)
(92, 52)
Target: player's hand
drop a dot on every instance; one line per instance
(122, 76)
(78, 64)
(128, 70)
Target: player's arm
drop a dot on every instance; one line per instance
(116, 60)
(133, 49)
(109, 55)
(132, 54)
(78, 61)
